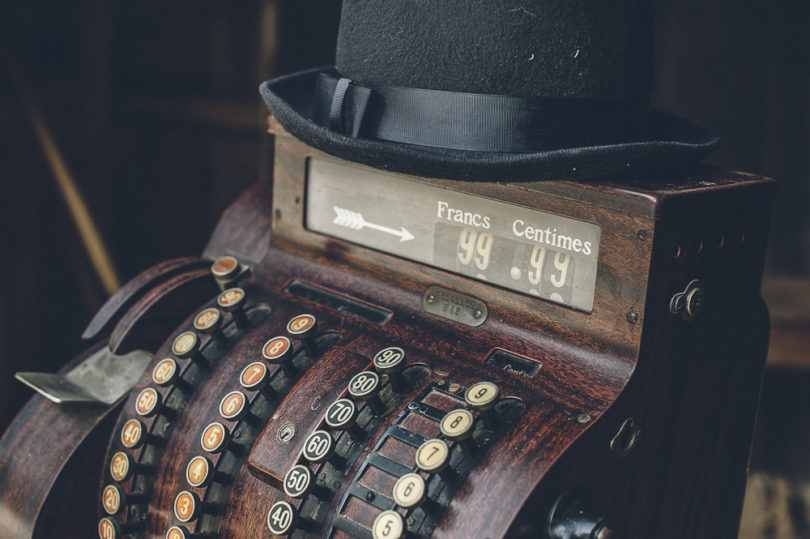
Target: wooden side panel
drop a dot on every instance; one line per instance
(115, 307)
(145, 325)
(45, 455)
(271, 458)
(694, 392)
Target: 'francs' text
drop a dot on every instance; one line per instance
(444, 211)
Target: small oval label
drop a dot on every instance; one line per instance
(454, 306)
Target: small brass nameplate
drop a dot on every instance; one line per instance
(454, 306)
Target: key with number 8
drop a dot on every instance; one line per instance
(458, 425)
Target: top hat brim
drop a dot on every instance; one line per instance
(672, 143)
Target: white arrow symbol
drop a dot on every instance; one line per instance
(355, 221)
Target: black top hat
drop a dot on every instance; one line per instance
(489, 90)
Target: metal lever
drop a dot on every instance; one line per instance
(103, 378)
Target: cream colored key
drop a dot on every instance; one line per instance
(388, 525)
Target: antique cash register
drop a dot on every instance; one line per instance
(541, 343)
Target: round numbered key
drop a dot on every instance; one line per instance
(198, 472)
(165, 372)
(482, 395)
(457, 424)
(282, 518)
(207, 319)
(301, 325)
(111, 499)
(178, 532)
(364, 385)
(391, 361)
(209, 322)
(121, 467)
(277, 349)
(133, 435)
(388, 360)
(432, 456)
(225, 269)
(114, 499)
(341, 414)
(232, 300)
(233, 405)
(298, 481)
(186, 506)
(318, 446)
(254, 376)
(410, 490)
(185, 345)
(109, 528)
(215, 437)
(148, 402)
(388, 525)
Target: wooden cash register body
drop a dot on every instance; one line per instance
(689, 387)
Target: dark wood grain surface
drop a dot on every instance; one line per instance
(146, 323)
(271, 458)
(115, 307)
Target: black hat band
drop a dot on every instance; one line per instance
(476, 122)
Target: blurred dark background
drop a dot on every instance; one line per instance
(155, 107)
